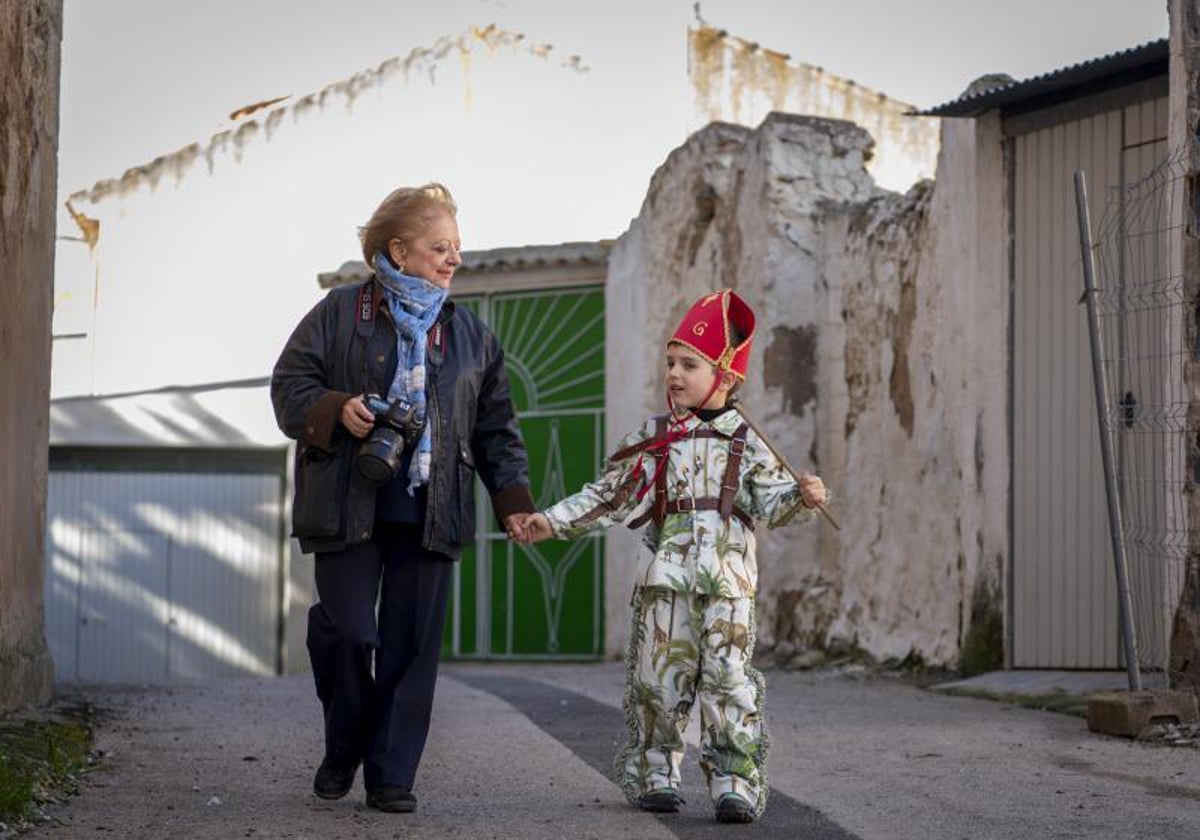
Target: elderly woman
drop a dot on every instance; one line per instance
(397, 399)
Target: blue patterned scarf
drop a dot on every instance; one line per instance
(414, 303)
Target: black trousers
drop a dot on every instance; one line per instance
(375, 677)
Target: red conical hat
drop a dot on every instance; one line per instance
(708, 326)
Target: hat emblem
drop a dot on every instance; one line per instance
(699, 327)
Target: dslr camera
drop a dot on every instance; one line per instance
(396, 428)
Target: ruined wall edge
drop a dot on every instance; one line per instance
(30, 36)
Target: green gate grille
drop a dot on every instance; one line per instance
(546, 600)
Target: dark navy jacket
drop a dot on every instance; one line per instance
(341, 349)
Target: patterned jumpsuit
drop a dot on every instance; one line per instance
(693, 604)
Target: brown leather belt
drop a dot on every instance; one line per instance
(685, 504)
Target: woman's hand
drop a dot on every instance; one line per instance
(356, 417)
(812, 490)
(514, 525)
(526, 528)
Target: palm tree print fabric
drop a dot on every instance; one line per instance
(693, 603)
(694, 551)
(686, 650)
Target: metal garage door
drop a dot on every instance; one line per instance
(543, 601)
(164, 566)
(1063, 588)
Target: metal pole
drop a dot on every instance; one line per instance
(1116, 529)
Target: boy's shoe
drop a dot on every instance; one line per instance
(732, 808)
(394, 800)
(333, 781)
(660, 800)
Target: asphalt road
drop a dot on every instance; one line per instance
(524, 751)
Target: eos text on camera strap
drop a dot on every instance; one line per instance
(368, 303)
(364, 310)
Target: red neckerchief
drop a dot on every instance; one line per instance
(676, 430)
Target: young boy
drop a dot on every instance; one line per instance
(699, 476)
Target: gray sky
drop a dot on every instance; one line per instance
(145, 77)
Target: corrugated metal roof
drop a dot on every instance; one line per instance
(1092, 76)
(568, 254)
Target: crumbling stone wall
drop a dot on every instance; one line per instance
(740, 208)
(921, 285)
(1184, 255)
(879, 363)
(30, 32)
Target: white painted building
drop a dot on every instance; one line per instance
(734, 80)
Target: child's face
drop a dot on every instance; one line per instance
(690, 377)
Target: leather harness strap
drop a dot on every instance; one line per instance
(660, 473)
(643, 445)
(732, 479)
(729, 482)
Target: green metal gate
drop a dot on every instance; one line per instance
(545, 600)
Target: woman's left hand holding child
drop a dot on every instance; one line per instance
(534, 527)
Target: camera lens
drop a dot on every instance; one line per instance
(379, 456)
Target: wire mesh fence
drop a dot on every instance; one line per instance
(1147, 304)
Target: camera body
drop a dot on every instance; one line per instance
(396, 429)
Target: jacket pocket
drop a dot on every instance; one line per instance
(320, 499)
(464, 491)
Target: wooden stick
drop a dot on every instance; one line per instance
(821, 507)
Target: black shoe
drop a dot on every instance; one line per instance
(660, 801)
(732, 808)
(333, 781)
(394, 800)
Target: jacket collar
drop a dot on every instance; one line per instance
(726, 423)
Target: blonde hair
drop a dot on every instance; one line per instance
(403, 215)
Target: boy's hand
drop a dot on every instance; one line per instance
(536, 528)
(812, 490)
(514, 524)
